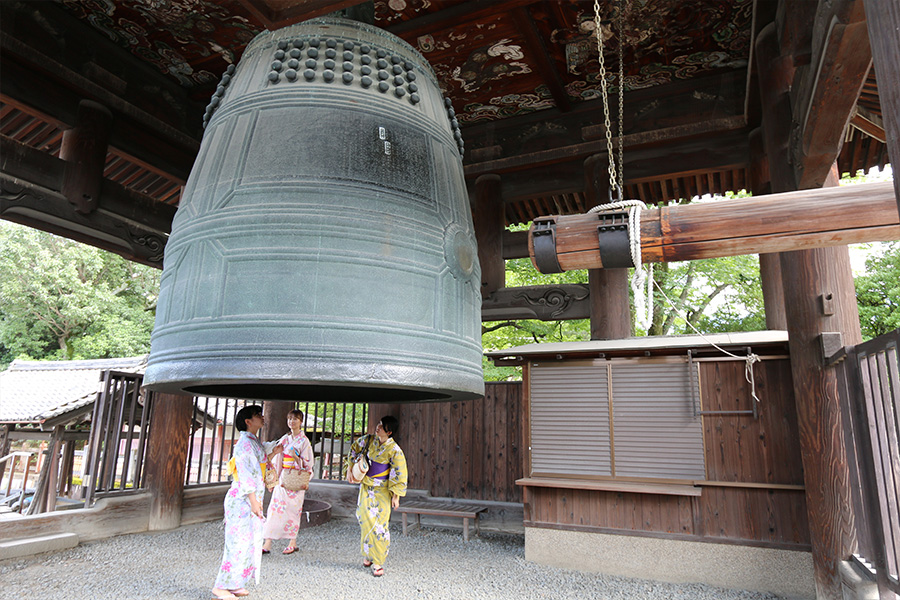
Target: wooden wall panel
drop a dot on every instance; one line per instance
(467, 450)
(772, 517)
(740, 448)
(776, 516)
(591, 509)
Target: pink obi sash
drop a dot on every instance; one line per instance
(378, 470)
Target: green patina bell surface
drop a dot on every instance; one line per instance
(323, 249)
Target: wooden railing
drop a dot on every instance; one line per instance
(118, 440)
(869, 376)
(14, 460)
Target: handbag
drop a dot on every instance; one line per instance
(295, 480)
(270, 477)
(358, 469)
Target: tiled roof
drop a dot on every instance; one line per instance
(35, 391)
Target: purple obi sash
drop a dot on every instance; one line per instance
(378, 470)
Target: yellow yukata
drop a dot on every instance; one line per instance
(387, 475)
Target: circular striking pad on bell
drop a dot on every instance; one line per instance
(323, 249)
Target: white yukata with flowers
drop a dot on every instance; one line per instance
(285, 507)
(243, 529)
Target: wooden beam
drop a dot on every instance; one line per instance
(124, 222)
(609, 301)
(582, 150)
(457, 14)
(828, 92)
(884, 36)
(515, 244)
(774, 223)
(869, 123)
(35, 79)
(293, 12)
(542, 302)
(537, 50)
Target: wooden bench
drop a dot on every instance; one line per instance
(441, 509)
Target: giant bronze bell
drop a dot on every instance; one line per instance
(323, 249)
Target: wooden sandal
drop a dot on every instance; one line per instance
(367, 563)
(378, 571)
(289, 550)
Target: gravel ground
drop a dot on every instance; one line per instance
(430, 564)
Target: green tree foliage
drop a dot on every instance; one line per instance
(499, 335)
(878, 292)
(63, 300)
(713, 295)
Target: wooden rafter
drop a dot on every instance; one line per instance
(538, 51)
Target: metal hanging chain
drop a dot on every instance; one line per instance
(620, 22)
(613, 182)
(643, 298)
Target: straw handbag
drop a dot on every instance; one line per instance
(295, 480)
(358, 469)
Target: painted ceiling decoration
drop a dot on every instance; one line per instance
(521, 75)
(484, 64)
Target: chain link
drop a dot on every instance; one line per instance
(620, 21)
(604, 93)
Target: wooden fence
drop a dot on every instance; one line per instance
(869, 376)
(467, 450)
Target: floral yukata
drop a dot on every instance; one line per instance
(387, 475)
(243, 530)
(285, 507)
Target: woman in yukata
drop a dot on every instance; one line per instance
(379, 491)
(243, 506)
(286, 506)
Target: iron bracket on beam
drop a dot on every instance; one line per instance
(614, 241)
(544, 240)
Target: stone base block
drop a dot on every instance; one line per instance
(37, 545)
(787, 573)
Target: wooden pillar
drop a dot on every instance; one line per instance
(775, 75)
(54, 451)
(610, 312)
(819, 297)
(4, 447)
(84, 148)
(883, 23)
(170, 431)
(68, 466)
(769, 264)
(275, 413)
(610, 309)
(489, 221)
(772, 290)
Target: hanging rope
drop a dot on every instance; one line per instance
(749, 360)
(643, 299)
